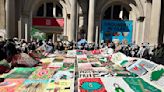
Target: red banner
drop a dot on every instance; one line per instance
(55, 22)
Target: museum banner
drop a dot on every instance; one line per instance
(54, 22)
(117, 29)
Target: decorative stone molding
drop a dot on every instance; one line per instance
(148, 1)
(31, 5)
(141, 18)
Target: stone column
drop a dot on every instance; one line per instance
(21, 29)
(10, 19)
(27, 27)
(140, 33)
(72, 35)
(65, 22)
(155, 22)
(2, 19)
(53, 38)
(161, 31)
(133, 17)
(2, 14)
(147, 21)
(54, 10)
(97, 33)
(91, 21)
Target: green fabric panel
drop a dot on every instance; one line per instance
(139, 85)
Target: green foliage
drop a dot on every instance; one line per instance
(37, 34)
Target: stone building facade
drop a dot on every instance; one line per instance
(82, 18)
(2, 18)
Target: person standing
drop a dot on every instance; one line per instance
(158, 56)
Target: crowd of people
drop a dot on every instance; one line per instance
(18, 53)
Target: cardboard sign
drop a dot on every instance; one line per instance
(71, 53)
(141, 67)
(117, 29)
(60, 86)
(33, 86)
(137, 69)
(149, 65)
(96, 52)
(47, 60)
(91, 85)
(42, 74)
(69, 60)
(82, 60)
(67, 66)
(85, 66)
(93, 74)
(31, 81)
(82, 56)
(156, 77)
(118, 58)
(107, 52)
(10, 85)
(56, 65)
(116, 84)
(63, 75)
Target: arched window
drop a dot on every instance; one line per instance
(116, 12)
(50, 9)
(40, 11)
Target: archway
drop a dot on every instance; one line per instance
(34, 9)
(127, 13)
(117, 12)
(116, 24)
(82, 19)
(48, 19)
